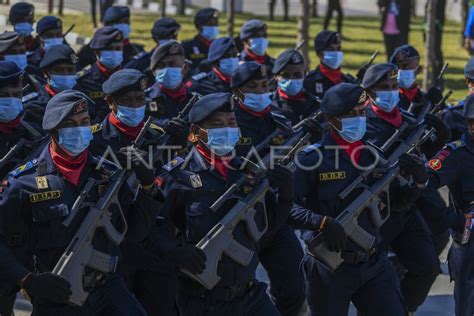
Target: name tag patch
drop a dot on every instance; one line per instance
(44, 196)
(329, 176)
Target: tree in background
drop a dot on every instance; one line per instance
(430, 16)
(303, 30)
(163, 8)
(230, 18)
(182, 7)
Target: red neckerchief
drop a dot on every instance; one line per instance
(300, 97)
(259, 59)
(204, 40)
(70, 167)
(29, 42)
(9, 127)
(50, 90)
(178, 95)
(223, 77)
(393, 118)
(349, 148)
(335, 75)
(257, 114)
(410, 94)
(218, 162)
(106, 71)
(130, 131)
(126, 42)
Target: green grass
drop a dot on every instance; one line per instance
(361, 38)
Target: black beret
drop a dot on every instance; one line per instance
(125, 79)
(251, 28)
(61, 105)
(326, 38)
(21, 10)
(247, 71)
(8, 39)
(105, 36)
(377, 72)
(205, 15)
(469, 69)
(47, 23)
(209, 104)
(58, 53)
(116, 13)
(404, 52)
(171, 48)
(9, 72)
(469, 107)
(165, 28)
(289, 56)
(342, 98)
(219, 47)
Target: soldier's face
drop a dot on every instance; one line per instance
(62, 69)
(17, 49)
(410, 64)
(355, 112)
(52, 33)
(210, 22)
(173, 61)
(131, 99)
(76, 120)
(385, 85)
(29, 19)
(292, 72)
(12, 91)
(215, 120)
(257, 86)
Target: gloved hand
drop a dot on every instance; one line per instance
(138, 163)
(435, 95)
(282, 178)
(442, 131)
(335, 234)
(414, 166)
(178, 129)
(313, 127)
(188, 257)
(47, 286)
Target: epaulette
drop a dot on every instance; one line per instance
(96, 128)
(173, 164)
(310, 148)
(27, 166)
(29, 97)
(456, 105)
(199, 76)
(456, 144)
(157, 127)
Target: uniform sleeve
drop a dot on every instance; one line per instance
(443, 168)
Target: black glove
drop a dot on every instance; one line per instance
(335, 234)
(434, 95)
(414, 166)
(457, 221)
(313, 127)
(442, 131)
(178, 129)
(282, 178)
(48, 286)
(188, 257)
(144, 174)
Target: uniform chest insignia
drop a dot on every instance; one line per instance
(247, 189)
(319, 88)
(330, 176)
(23, 168)
(244, 141)
(278, 140)
(96, 128)
(195, 181)
(44, 196)
(435, 164)
(42, 182)
(173, 164)
(96, 94)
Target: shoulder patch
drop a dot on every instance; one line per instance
(199, 76)
(455, 145)
(96, 94)
(176, 162)
(84, 71)
(29, 97)
(96, 128)
(27, 166)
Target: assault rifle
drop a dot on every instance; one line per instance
(80, 253)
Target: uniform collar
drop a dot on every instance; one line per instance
(334, 75)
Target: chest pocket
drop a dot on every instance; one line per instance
(47, 224)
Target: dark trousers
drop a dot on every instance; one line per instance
(392, 42)
(461, 268)
(372, 286)
(6, 304)
(281, 257)
(410, 239)
(111, 299)
(334, 5)
(272, 9)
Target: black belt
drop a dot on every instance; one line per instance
(356, 257)
(227, 294)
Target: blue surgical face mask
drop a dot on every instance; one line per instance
(291, 86)
(353, 128)
(74, 140)
(124, 28)
(10, 108)
(257, 102)
(130, 116)
(23, 28)
(62, 82)
(50, 42)
(333, 59)
(387, 100)
(210, 32)
(111, 58)
(170, 77)
(222, 141)
(406, 78)
(21, 60)
(227, 65)
(259, 45)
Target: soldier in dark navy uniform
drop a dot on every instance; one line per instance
(59, 70)
(290, 98)
(193, 184)
(22, 17)
(107, 44)
(254, 37)
(39, 194)
(222, 59)
(206, 22)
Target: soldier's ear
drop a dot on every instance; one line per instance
(193, 134)
(110, 101)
